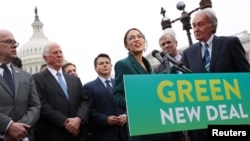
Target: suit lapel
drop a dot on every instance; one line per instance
(68, 83)
(52, 81)
(103, 89)
(4, 84)
(199, 57)
(16, 78)
(137, 66)
(216, 47)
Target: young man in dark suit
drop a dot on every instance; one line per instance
(108, 122)
(65, 107)
(212, 54)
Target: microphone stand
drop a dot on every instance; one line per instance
(181, 67)
(177, 64)
(167, 65)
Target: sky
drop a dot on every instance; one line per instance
(85, 28)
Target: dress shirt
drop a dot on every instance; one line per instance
(104, 81)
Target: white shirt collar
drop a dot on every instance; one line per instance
(209, 41)
(54, 71)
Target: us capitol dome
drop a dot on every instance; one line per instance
(31, 52)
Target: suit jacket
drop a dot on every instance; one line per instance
(102, 106)
(24, 107)
(56, 108)
(125, 66)
(228, 55)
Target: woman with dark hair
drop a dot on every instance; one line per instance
(134, 63)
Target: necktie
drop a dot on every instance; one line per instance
(173, 70)
(62, 84)
(206, 58)
(8, 78)
(110, 89)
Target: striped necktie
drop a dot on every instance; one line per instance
(206, 58)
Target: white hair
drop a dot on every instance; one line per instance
(168, 31)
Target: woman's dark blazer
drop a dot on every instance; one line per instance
(130, 66)
(125, 66)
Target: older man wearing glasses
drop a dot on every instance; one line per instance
(20, 105)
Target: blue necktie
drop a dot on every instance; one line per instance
(206, 58)
(110, 89)
(8, 78)
(62, 84)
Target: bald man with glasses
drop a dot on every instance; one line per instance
(20, 105)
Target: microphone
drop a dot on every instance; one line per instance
(157, 55)
(172, 60)
(177, 64)
(163, 60)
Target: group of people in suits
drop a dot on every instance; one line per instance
(226, 55)
(55, 105)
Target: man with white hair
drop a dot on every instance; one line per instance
(212, 54)
(168, 44)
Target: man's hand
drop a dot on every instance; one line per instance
(17, 131)
(113, 120)
(123, 119)
(72, 125)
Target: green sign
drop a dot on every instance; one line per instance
(160, 103)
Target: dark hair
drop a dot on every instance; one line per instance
(17, 62)
(42, 66)
(67, 64)
(101, 55)
(126, 34)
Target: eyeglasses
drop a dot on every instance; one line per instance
(10, 42)
(134, 37)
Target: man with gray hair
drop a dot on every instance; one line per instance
(212, 54)
(168, 44)
(65, 107)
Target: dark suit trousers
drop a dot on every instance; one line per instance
(198, 135)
